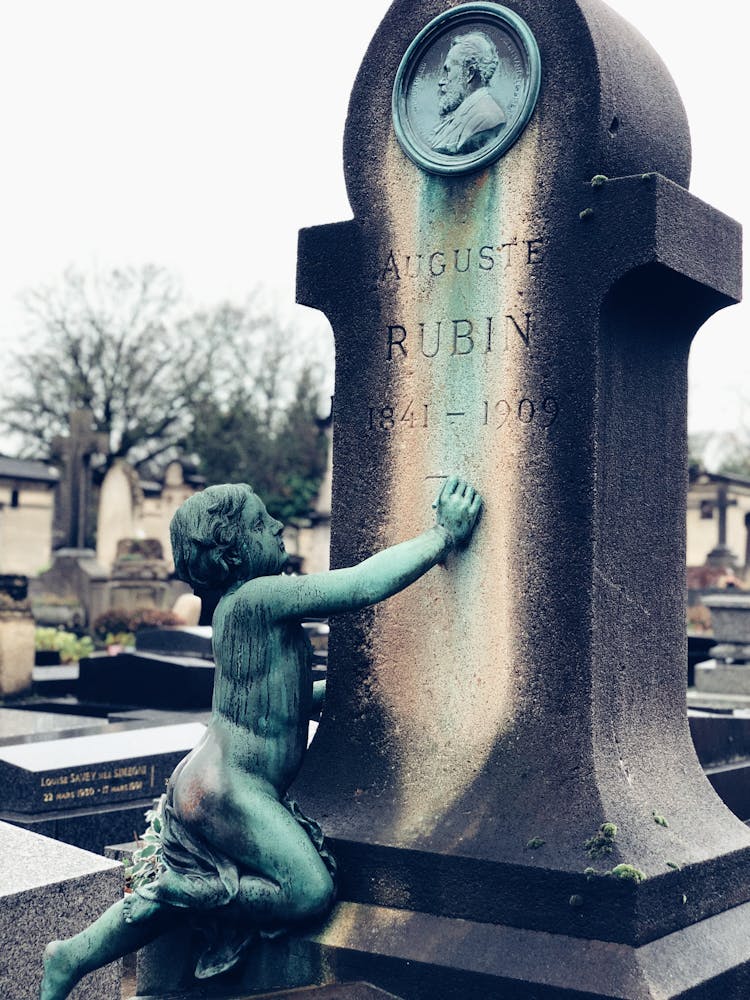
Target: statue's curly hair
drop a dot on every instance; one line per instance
(479, 53)
(209, 546)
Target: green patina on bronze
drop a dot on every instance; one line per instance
(236, 855)
(483, 132)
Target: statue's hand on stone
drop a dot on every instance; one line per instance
(457, 509)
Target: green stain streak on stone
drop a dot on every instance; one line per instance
(459, 216)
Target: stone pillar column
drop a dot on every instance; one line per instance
(518, 717)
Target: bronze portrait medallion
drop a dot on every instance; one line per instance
(466, 88)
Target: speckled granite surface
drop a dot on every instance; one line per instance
(50, 890)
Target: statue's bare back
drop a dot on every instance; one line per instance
(261, 706)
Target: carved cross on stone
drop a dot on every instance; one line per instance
(73, 499)
(721, 554)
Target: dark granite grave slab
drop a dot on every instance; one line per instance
(54, 681)
(176, 641)
(722, 742)
(90, 829)
(155, 680)
(149, 679)
(697, 651)
(720, 738)
(103, 769)
(19, 725)
(731, 782)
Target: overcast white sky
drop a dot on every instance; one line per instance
(202, 135)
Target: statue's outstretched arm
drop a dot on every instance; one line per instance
(383, 574)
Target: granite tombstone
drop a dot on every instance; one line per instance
(119, 494)
(494, 775)
(91, 790)
(47, 887)
(74, 497)
(170, 668)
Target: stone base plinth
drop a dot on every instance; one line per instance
(338, 991)
(50, 890)
(730, 616)
(422, 956)
(419, 956)
(722, 678)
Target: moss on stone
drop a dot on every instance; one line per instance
(628, 872)
(602, 842)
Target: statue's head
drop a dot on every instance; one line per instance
(224, 535)
(471, 63)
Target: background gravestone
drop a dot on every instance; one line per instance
(526, 326)
(91, 790)
(118, 496)
(73, 500)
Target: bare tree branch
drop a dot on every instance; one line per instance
(156, 376)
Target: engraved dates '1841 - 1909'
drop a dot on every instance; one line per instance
(415, 415)
(466, 88)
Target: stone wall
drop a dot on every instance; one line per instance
(25, 529)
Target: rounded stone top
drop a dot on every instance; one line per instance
(174, 474)
(607, 104)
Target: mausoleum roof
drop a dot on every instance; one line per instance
(27, 468)
(717, 478)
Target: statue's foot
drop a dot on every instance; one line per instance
(59, 976)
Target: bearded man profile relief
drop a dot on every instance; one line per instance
(470, 117)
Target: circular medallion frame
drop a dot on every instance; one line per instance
(466, 88)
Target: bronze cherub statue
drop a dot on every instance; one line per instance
(235, 853)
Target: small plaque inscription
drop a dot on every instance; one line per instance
(86, 771)
(466, 88)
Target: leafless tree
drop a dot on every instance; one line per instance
(123, 345)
